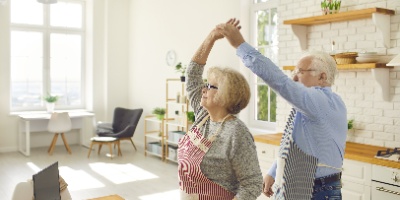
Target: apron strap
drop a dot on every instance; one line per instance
(203, 120)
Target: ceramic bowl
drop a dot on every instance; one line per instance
(367, 59)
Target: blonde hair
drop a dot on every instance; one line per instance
(233, 90)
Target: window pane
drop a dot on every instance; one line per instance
(266, 104)
(65, 68)
(267, 45)
(26, 12)
(262, 103)
(26, 68)
(64, 14)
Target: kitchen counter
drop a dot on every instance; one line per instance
(353, 151)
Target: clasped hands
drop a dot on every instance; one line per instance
(230, 30)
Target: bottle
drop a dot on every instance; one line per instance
(178, 97)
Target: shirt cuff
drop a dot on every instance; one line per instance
(272, 170)
(243, 49)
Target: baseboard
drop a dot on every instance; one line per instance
(8, 149)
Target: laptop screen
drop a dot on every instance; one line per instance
(46, 185)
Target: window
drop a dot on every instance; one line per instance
(264, 36)
(47, 53)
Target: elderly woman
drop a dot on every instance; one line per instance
(217, 157)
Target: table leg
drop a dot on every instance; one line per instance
(28, 137)
(24, 125)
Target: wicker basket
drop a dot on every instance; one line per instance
(346, 58)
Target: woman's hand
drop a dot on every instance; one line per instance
(230, 30)
(217, 34)
(267, 186)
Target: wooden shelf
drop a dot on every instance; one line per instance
(341, 16)
(379, 71)
(380, 18)
(352, 66)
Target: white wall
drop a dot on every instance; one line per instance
(180, 25)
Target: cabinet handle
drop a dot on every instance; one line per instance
(262, 151)
(386, 190)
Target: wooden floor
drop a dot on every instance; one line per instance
(132, 176)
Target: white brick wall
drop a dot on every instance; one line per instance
(376, 122)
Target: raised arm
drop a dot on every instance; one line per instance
(199, 59)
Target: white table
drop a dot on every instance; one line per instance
(37, 121)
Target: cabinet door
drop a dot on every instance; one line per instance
(357, 172)
(355, 191)
(266, 155)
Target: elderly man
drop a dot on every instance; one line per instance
(312, 146)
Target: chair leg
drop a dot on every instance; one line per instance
(133, 144)
(90, 149)
(65, 143)
(119, 148)
(53, 144)
(98, 151)
(111, 151)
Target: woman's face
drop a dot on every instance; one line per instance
(208, 93)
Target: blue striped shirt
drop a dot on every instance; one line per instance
(320, 125)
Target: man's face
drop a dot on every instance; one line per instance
(305, 75)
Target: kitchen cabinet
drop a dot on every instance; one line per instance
(380, 18)
(362, 175)
(356, 180)
(267, 154)
(380, 72)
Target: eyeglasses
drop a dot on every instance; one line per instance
(209, 86)
(301, 71)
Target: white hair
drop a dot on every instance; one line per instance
(323, 62)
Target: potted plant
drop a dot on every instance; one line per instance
(350, 124)
(159, 112)
(190, 116)
(50, 102)
(182, 70)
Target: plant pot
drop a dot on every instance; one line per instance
(182, 78)
(50, 107)
(160, 117)
(330, 6)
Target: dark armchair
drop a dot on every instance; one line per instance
(123, 125)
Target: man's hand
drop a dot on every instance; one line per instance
(231, 30)
(267, 186)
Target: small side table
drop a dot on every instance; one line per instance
(105, 140)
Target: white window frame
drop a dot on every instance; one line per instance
(257, 124)
(46, 30)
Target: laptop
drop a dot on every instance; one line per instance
(46, 185)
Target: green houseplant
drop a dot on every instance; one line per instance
(190, 116)
(159, 112)
(50, 99)
(350, 124)
(181, 69)
(50, 102)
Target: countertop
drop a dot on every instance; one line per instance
(353, 151)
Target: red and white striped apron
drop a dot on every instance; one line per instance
(192, 182)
